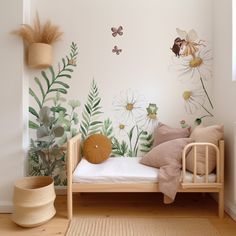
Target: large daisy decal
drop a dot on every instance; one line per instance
(129, 105)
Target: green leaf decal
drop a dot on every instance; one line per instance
(32, 93)
(64, 75)
(90, 123)
(61, 90)
(33, 125)
(63, 84)
(45, 78)
(40, 86)
(33, 112)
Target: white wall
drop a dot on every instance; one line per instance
(145, 62)
(144, 66)
(11, 101)
(225, 94)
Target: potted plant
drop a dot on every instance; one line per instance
(39, 39)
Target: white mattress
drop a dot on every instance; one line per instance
(123, 170)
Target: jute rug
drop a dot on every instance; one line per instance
(116, 226)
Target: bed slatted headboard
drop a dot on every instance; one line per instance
(219, 164)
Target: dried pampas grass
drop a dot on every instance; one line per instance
(46, 33)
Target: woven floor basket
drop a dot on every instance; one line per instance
(33, 201)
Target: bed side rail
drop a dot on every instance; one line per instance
(219, 165)
(73, 152)
(73, 158)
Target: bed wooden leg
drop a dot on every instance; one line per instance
(221, 203)
(69, 204)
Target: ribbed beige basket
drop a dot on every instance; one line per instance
(33, 201)
(39, 55)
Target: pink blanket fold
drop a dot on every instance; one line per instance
(167, 156)
(169, 179)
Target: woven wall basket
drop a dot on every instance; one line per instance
(39, 55)
(33, 201)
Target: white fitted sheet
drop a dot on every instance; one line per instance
(123, 170)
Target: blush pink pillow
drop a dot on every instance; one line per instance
(166, 153)
(164, 133)
(210, 134)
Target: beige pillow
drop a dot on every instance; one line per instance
(165, 133)
(210, 134)
(166, 153)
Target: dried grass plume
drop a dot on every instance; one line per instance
(38, 33)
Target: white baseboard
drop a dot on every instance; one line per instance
(230, 208)
(6, 207)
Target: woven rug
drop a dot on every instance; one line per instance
(117, 226)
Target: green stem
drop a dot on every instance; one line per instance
(205, 116)
(203, 86)
(137, 139)
(71, 115)
(130, 143)
(207, 111)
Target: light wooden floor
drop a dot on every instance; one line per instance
(125, 204)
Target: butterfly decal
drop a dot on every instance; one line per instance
(116, 31)
(116, 50)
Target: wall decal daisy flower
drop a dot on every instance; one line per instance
(194, 100)
(195, 67)
(129, 105)
(121, 126)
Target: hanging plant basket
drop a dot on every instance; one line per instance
(33, 201)
(39, 55)
(39, 38)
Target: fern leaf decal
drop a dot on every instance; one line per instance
(118, 149)
(52, 82)
(90, 123)
(107, 128)
(146, 142)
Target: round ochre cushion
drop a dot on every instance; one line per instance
(97, 148)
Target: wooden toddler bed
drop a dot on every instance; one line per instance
(208, 183)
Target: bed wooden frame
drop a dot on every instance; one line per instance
(73, 159)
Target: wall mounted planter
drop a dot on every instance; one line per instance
(39, 55)
(33, 201)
